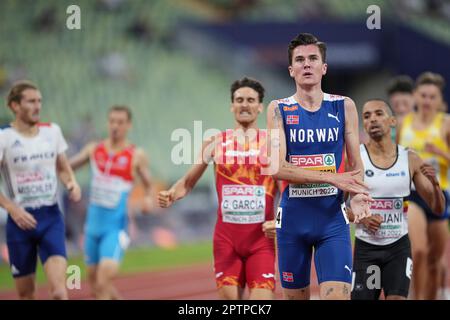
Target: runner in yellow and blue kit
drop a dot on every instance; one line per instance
(427, 131)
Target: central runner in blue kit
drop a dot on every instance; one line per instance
(316, 131)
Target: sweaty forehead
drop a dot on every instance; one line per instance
(246, 92)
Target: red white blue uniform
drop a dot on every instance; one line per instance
(107, 219)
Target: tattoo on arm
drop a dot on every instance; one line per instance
(345, 291)
(275, 135)
(276, 117)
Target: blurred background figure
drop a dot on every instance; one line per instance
(400, 94)
(427, 131)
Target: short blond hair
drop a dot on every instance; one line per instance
(431, 78)
(15, 94)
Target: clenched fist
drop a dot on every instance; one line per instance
(166, 198)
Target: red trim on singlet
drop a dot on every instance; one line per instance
(284, 185)
(341, 168)
(118, 164)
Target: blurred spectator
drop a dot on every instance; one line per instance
(140, 30)
(3, 77)
(403, 8)
(10, 74)
(400, 93)
(16, 73)
(110, 5)
(114, 65)
(446, 11)
(312, 10)
(434, 7)
(46, 21)
(84, 133)
(238, 8)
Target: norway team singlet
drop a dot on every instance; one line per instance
(311, 216)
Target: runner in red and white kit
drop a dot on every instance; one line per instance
(242, 253)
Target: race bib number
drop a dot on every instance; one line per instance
(393, 225)
(318, 162)
(279, 217)
(105, 192)
(243, 204)
(35, 187)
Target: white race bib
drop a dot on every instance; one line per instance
(243, 204)
(317, 162)
(105, 192)
(35, 187)
(393, 218)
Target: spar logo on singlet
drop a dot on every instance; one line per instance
(391, 210)
(390, 204)
(243, 204)
(319, 162)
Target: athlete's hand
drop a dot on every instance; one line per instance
(350, 182)
(74, 191)
(269, 229)
(23, 219)
(372, 223)
(360, 204)
(429, 172)
(165, 198)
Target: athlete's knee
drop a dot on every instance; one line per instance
(94, 290)
(434, 264)
(26, 294)
(101, 284)
(335, 292)
(420, 253)
(297, 294)
(229, 293)
(25, 289)
(435, 256)
(261, 294)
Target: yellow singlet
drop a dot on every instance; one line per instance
(416, 140)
